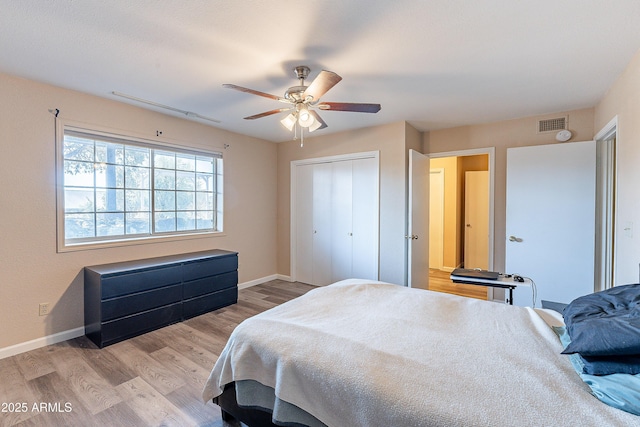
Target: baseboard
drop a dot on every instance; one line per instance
(41, 342)
(265, 279)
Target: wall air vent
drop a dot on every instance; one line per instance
(552, 125)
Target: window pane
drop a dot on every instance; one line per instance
(185, 200)
(78, 174)
(137, 177)
(136, 156)
(164, 159)
(165, 221)
(138, 223)
(204, 182)
(78, 149)
(219, 184)
(110, 224)
(109, 200)
(110, 176)
(107, 152)
(185, 181)
(137, 200)
(204, 201)
(204, 164)
(79, 200)
(204, 220)
(78, 226)
(185, 162)
(186, 221)
(164, 179)
(165, 200)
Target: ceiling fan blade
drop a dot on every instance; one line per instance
(256, 92)
(349, 106)
(267, 113)
(321, 84)
(319, 119)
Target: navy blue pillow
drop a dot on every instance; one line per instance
(605, 323)
(605, 365)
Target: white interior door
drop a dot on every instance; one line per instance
(476, 219)
(418, 221)
(551, 220)
(436, 218)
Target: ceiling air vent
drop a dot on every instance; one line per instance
(552, 125)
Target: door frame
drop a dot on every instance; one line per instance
(292, 195)
(491, 152)
(606, 205)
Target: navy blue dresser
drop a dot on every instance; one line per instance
(125, 299)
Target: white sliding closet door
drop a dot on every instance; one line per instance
(336, 219)
(365, 216)
(303, 214)
(322, 224)
(341, 220)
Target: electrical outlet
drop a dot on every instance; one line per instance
(44, 308)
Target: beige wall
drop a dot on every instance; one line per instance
(392, 141)
(502, 135)
(31, 270)
(623, 100)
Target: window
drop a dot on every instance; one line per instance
(117, 188)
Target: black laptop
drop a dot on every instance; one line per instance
(473, 273)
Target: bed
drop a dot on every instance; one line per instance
(362, 353)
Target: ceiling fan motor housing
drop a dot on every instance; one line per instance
(295, 93)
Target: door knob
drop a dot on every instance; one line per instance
(515, 239)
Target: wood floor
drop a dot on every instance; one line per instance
(152, 380)
(440, 281)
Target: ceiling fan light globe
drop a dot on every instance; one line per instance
(305, 119)
(289, 121)
(315, 125)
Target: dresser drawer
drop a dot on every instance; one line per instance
(127, 327)
(141, 301)
(140, 280)
(202, 304)
(210, 284)
(209, 267)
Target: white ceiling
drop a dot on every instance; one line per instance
(434, 63)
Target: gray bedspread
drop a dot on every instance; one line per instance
(368, 354)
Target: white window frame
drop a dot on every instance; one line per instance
(64, 127)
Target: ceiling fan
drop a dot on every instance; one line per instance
(304, 99)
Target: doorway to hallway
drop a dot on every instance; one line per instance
(461, 218)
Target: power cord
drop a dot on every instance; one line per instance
(534, 290)
(518, 278)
